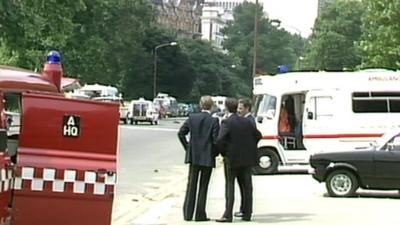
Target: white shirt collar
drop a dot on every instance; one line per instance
(207, 111)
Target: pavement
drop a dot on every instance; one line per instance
(169, 210)
(284, 199)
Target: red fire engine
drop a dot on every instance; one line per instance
(57, 155)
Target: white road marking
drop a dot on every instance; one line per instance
(150, 128)
(155, 213)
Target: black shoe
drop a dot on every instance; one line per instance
(238, 214)
(202, 219)
(224, 220)
(246, 218)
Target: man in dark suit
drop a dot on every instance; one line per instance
(200, 154)
(244, 110)
(238, 140)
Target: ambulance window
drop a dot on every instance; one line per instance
(394, 105)
(136, 109)
(376, 102)
(322, 107)
(145, 107)
(264, 103)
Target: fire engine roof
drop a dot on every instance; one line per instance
(13, 78)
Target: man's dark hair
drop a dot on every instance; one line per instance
(231, 105)
(246, 103)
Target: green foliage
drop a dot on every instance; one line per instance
(212, 72)
(336, 32)
(100, 40)
(274, 46)
(31, 27)
(380, 42)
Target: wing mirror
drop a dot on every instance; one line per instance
(259, 119)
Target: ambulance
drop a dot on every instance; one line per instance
(58, 155)
(142, 110)
(219, 103)
(300, 113)
(103, 93)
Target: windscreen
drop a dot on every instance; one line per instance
(263, 104)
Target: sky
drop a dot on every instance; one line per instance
(294, 14)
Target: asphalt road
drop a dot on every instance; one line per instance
(151, 160)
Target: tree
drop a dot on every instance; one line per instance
(211, 71)
(380, 42)
(101, 41)
(336, 32)
(29, 28)
(275, 46)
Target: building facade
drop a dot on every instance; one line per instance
(181, 16)
(216, 13)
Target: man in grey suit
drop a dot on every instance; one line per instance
(200, 155)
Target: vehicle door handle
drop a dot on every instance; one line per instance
(310, 115)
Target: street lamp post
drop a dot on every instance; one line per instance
(255, 39)
(155, 65)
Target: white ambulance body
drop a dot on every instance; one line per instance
(330, 111)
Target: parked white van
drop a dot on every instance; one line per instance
(300, 113)
(219, 102)
(143, 110)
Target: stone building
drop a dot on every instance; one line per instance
(181, 16)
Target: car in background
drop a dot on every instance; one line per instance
(123, 108)
(143, 110)
(183, 109)
(373, 167)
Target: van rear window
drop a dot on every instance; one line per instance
(376, 102)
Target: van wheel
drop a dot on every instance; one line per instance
(341, 183)
(268, 162)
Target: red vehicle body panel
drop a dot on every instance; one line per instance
(59, 176)
(5, 173)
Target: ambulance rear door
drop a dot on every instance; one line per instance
(66, 161)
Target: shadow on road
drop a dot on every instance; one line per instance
(372, 194)
(291, 172)
(274, 218)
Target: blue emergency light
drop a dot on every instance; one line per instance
(282, 69)
(54, 57)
